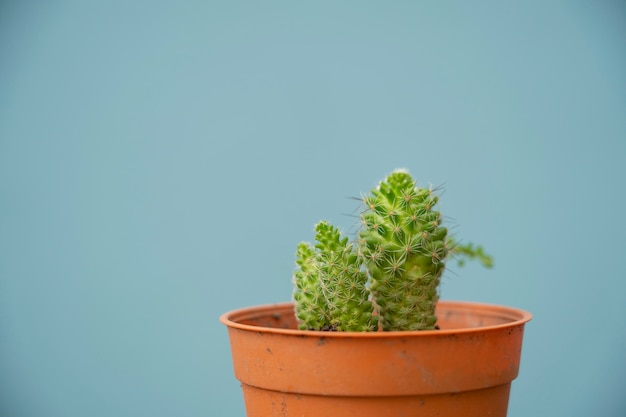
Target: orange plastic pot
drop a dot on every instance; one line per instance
(463, 369)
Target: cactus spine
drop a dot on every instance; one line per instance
(401, 249)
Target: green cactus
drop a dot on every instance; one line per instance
(405, 249)
(330, 285)
(311, 308)
(402, 249)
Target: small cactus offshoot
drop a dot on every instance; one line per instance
(389, 277)
(331, 286)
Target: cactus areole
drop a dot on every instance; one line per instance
(388, 277)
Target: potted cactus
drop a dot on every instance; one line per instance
(366, 334)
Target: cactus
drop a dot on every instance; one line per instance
(310, 302)
(331, 285)
(401, 249)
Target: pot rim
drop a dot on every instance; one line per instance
(514, 317)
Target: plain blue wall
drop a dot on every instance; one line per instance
(159, 162)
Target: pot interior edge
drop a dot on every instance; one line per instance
(454, 316)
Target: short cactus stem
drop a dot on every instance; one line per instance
(331, 286)
(311, 307)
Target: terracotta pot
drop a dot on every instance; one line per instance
(463, 369)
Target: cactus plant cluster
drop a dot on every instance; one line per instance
(388, 278)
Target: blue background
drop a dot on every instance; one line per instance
(159, 162)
